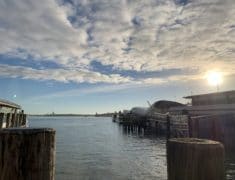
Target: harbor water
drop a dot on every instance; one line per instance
(93, 148)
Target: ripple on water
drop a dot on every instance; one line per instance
(96, 148)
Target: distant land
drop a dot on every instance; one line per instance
(79, 115)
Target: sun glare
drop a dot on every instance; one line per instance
(214, 78)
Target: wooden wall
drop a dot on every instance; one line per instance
(215, 127)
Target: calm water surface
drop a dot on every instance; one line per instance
(96, 148)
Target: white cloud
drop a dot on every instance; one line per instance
(129, 35)
(61, 75)
(41, 29)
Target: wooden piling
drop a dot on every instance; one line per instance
(12, 120)
(24, 120)
(168, 127)
(21, 116)
(8, 120)
(1, 119)
(17, 120)
(27, 153)
(195, 159)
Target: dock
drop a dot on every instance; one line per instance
(210, 116)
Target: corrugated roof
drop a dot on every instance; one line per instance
(6, 103)
(211, 94)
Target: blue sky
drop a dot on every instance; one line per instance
(87, 56)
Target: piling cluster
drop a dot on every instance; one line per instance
(198, 135)
(25, 153)
(13, 120)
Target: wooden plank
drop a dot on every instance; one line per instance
(217, 127)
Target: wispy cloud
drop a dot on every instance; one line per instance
(147, 36)
(62, 75)
(100, 89)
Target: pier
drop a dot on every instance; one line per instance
(211, 116)
(26, 153)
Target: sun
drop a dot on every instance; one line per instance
(214, 78)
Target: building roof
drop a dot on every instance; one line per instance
(211, 94)
(6, 103)
(166, 104)
(139, 110)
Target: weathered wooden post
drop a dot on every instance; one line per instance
(168, 127)
(20, 120)
(27, 154)
(195, 159)
(8, 120)
(12, 120)
(1, 119)
(17, 120)
(24, 120)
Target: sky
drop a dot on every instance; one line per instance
(87, 56)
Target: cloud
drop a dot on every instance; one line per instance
(40, 29)
(89, 90)
(61, 75)
(140, 36)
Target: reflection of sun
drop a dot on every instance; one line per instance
(214, 78)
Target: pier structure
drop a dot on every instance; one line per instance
(26, 153)
(11, 115)
(210, 116)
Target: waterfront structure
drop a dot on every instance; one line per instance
(137, 116)
(226, 97)
(34, 147)
(163, 106)
(208, 104)
(211, 116)
(157, 114)
(11, 115)
(8, 106)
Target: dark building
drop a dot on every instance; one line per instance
(226, 97)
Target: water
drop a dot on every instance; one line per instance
(230, 166)
(96, 148)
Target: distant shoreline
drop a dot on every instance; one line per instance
(73, 115)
